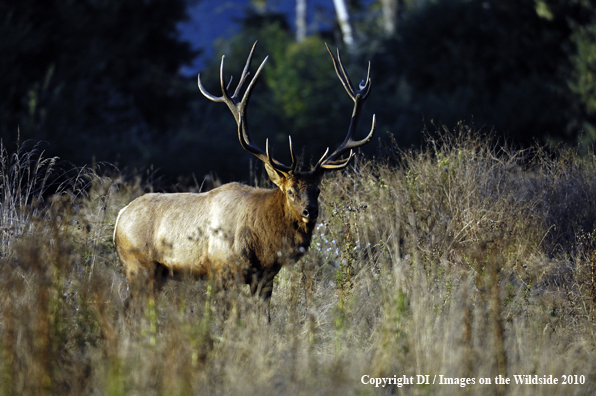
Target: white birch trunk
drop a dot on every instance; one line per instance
(300, 20)
(344, 22)
(390, 8)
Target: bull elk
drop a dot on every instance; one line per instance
(234, 229)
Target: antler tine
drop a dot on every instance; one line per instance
(245, 72)
(248, 144)
(293, 166)
(340, 71)
(320, 162)
(224, 97)
(244, 136)
(332, 162)
(367, 82)
(339, 164)
(350, 143)
(276, 164)
(224, 91)
(237, 106)
(364, 86)
(244, 102)
(345, 75)
(206, 93)
(238, 109)
(229, 83)
(329, 165)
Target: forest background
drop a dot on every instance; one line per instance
(103, 81)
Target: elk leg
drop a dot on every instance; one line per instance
(262, 285)
(161, 273)
(266, 293)
(141, 277)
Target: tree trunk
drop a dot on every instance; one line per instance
(300, 20)
(390, 10)
(344, 22)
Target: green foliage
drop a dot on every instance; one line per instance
(583, 82)
(296, 63)
(585, 59)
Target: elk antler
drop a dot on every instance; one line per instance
(238, 109)
(249, 146)
(332, 161)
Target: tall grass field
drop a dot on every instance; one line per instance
(466, 267)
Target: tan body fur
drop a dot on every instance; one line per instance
(233, 230)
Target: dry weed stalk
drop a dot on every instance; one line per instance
(467, 264)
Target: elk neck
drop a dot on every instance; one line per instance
(283, 223)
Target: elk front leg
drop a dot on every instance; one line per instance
(262, 286)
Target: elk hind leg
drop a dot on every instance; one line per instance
(141, 276)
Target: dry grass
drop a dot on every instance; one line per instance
(466, 260)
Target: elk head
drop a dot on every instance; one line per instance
(300, 189)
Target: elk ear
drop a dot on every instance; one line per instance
(274, 175)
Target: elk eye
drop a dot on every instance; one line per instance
(290, 194)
